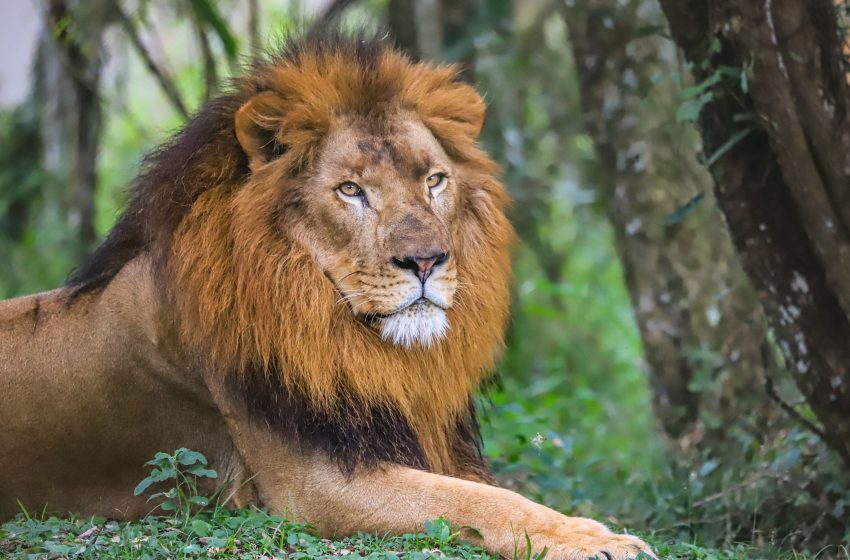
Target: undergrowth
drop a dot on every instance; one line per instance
(253, 533)
(190, 525)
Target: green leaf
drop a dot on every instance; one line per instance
(168, 505)
(216, 542)
(708, 467)
(716, 46)
(142, 486)
(160, 459)
(702, 87)
(208, 13)
(199, 470)
(201, 527)
(187, 457)
(728, 145)
(159, 475)
(689, 110)
(682, 211)
(439, 530)
(199, 500)
(56, 549)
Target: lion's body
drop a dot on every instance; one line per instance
(321, 338)
(89, 393)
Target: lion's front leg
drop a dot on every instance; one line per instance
(398, 499)
(308, 486)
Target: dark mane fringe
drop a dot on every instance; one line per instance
(355, 434)
(203, 155)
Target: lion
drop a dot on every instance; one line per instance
(309, 285)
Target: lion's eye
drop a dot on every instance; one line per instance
(435, 180)
(349, 188)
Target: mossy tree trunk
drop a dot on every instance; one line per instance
(700, 322)
(775, 129)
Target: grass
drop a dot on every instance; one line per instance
(253, 533)
(220, 533)
(196, 526)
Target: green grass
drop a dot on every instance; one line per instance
(253, 533)
(220, 533)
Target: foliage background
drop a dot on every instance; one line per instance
(569, 420)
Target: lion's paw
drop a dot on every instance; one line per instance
(603, 546)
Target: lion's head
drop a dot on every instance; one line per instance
(378, 211)
(334, 225)
(373, 193)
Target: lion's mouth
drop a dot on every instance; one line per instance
(373, 317)
(420, 323)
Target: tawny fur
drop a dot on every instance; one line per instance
(223, 266)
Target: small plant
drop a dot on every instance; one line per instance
(439, 532)
(183, 467)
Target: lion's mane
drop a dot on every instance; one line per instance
(254, 306)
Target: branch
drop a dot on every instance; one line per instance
(254, 26)
(335, 10)
(165, 81)
(210, 73)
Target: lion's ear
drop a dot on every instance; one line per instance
(455, 113)
(257, 124)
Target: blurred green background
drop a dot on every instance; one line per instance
(625, 391)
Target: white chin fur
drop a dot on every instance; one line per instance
(421, 323)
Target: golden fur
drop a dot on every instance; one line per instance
(246, 294)
(240, 280)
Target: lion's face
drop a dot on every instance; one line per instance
(377, 213)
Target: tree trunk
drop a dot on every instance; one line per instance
(777, 136)
(68, 68)
(401, 17)
(700, 322)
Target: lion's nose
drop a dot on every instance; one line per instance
(423, 266)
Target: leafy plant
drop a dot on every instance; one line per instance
(183, 468)
(439, 531)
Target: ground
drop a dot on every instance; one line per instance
(252, 533)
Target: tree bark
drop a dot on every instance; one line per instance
(700, 322)
(782, 182)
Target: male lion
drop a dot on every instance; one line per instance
(308, 285)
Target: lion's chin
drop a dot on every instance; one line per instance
(422, 324)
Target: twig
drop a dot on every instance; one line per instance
(165, 81)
